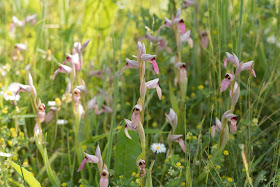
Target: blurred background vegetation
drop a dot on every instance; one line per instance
(249, 28)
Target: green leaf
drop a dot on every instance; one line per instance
(28, 177)
(126, 154)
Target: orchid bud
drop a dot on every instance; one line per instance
(154, 84)
(233, 122)
(235, 95)
(204, 39)
(128, 126)
(99, 156)
(186, 37)
(62, 69)
(178, 138)
(88, 159)
(130, 64)
(50, 114)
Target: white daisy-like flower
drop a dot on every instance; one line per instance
(158, 148)
(271, 39)
(61, 122)
(10, 93)
(51, 103)
(5, 154)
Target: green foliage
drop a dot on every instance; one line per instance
(28, 177)
(126, 153)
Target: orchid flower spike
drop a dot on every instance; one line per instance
(204, 39)
(41, 112)
(130, 64)
(62, 69)
(231, 58)
(151, 59)
(187, 38)
(88, 159)
(216, 127)
(226, 81)
(154, 84)
(75, 60)
(142, 167)
(248, 66)
(183, 70)
(135, 118)
(172, 118)
(128, 126)
(178, 138)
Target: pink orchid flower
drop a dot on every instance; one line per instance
(41, 112)
(187, 3)
(155, 84)
(130, 64)
(172, 118)
(142, 167)
(187, 38)
(135, 118)
(216, 127)
(204, 39)
(88, 159)
(178, 138)
(62, 69)
(28, 88)
(50, 114)
(226, 81)
(183, 70)
(128, 126)
(234, 94)
(104, 181)
(175, 21)
(151, 59)
(239, 66)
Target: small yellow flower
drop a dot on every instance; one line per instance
(5, 110)
(229, 179)
(57, 102)
(178, 164)
(251, 33)
(21, 134)
(159, 167)
(226, 152)
(12, 129)
(255, 120)
(81, 185)
(194, 137)
(15, 158)
(63, 184)
(218, 167)
(121, 176)
(218, 100)
(137, 175)
(243, 170)
(183, 183)
(25, 163)
(127, 72)
(163, 97)
(62, 91)
(1, 84)
(10, 143)
(193, 94)
(137, 181)
(22, 72)
(84, 147)
(189, 137)
(154, 124)
(198, 126)
(149, 117)
(128, 103)
(209, 156)
(118, 116)
(214, 32)
(200, 87)
(133, 174)
(119, 127)
(230, 45)
(132, 182)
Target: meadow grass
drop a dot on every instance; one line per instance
(248, 28)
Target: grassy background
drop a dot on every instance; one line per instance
(242, 27)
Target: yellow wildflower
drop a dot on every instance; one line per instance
(154, 124)
(218, 167)
(193, 94)
(183, 183)
(57, 102)
(133, 174)
(15, 158)
(198, 126)
(226, 152)
(10, 143)
(119, 127)
(137, 181)
(5, 110)
(84, 147)
(163, 97)
(195, 137)
(63, 184)
(230, 45)
(121, 176)
(200, 87)
(229, 179)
